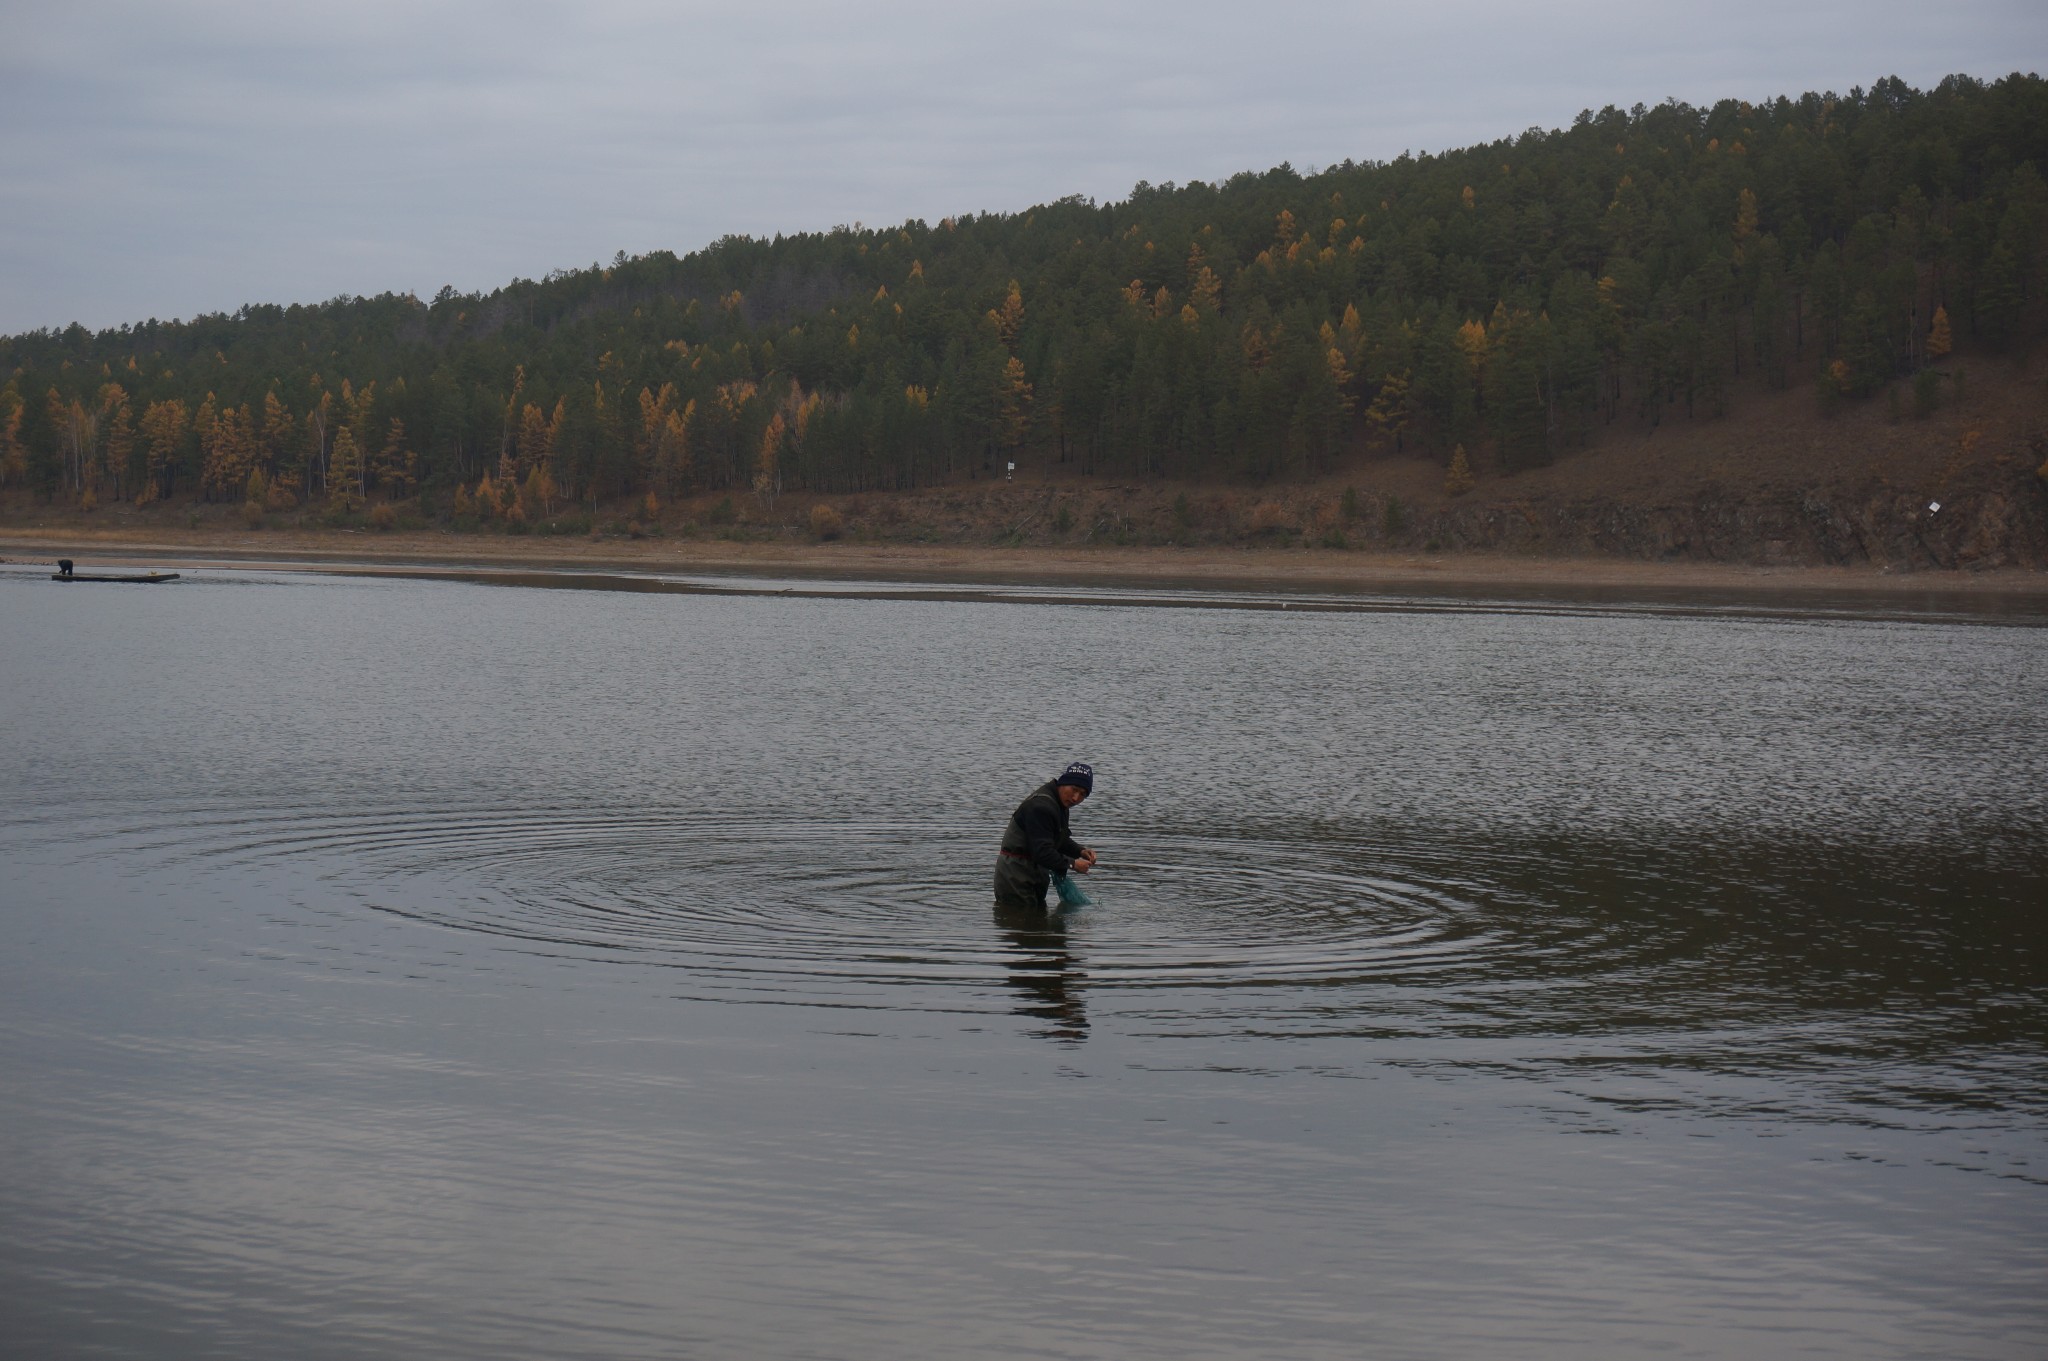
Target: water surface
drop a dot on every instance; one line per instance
(482, 970)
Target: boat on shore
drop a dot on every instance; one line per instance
(66, 572)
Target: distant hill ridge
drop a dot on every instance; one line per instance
(1499, 305)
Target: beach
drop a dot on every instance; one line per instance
(1277, 569)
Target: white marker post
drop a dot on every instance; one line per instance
(1010, 473)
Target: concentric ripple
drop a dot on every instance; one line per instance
(809, 910)
(1640, 974)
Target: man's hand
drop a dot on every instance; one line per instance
(1085, 862)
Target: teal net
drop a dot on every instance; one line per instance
(1071, 893)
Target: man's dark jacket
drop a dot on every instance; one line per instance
(1038, 831)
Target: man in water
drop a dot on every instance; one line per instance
(1037, 848)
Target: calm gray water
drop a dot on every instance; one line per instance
(431, 968)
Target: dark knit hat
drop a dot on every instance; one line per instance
(1080, 775)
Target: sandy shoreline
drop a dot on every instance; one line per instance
(1282, 570)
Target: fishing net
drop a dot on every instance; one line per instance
(1071, 893)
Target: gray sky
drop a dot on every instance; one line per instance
(173, 157)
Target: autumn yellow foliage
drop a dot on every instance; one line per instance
(1458, 480)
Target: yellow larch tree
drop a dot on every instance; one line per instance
(1458, 479)
(664, 445)
(359, 408)
(117, 437)
(1472, 343)
(345, 471)
(1013, 403)
(768, 462)
(537, 493)
(1340, 377)
(1940, 340)
(1008, 318)
(1745, 221)
(163, 434)
(536, 439)
(279, 433)
(13, 453)
(488, 501)
(228, 446)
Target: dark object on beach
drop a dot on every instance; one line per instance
(65, 572)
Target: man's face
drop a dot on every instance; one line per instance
(1071, 794)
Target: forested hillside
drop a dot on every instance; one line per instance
(1507, 300)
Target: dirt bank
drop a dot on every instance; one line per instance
(1255, 568)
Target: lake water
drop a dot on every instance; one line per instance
(438, 968)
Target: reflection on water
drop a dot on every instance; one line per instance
(395, 966)
(1044, 972)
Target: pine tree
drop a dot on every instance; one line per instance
(1388, 414)
(2000, 296)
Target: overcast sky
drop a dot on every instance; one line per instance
(170, 158)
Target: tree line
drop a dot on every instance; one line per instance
(1510, 297)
